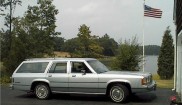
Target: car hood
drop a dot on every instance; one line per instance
(138, 73)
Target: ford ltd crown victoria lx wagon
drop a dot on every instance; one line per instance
(45, 76)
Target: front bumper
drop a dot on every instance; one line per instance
(153, 86)
(145, 88)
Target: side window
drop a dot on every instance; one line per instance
(35, 67)
(78, 66)
(60, 67)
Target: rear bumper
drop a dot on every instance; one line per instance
(11, 87)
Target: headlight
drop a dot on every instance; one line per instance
(146, 80)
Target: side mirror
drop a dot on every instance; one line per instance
(83, 72)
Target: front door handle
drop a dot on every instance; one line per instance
(73, 75)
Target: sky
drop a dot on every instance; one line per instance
(120, 19)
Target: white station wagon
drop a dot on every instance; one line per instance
(45, 76)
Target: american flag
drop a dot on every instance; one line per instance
(152, 12)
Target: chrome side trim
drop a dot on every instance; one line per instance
(78, 93)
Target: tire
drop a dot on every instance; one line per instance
(119, 93)
(42, 91)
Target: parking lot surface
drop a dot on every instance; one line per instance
(15, 97)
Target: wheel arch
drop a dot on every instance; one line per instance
(111, 83)
(38, 81)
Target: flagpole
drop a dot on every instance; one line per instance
(143, 38)
(149, 12)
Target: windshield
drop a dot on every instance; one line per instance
(98, 66)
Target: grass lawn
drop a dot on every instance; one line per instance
(163, 83)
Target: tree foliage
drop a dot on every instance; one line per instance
(166, 56)
(91, 46)
(71, 45)
(128, 57)
(40, 23)
(109, 45)
(6, 37)
(33, 35)
(11, 4)
(59, 43)
(4, 43)
(88, 44)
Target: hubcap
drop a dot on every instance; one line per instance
(117, 94)
(41, 91)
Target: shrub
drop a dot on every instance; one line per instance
(128, 57)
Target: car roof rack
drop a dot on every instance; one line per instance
(32, 59)
(37, 59)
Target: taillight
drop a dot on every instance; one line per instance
(12, 79)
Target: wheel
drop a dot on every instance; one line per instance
(42, 91)
(119, 93)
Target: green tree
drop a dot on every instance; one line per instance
(128, 57)
(33, 35)
(109, 45)
(88, 44)
(71, 45)
(59, 43)
(40, 22)
(84, 36)
(16, 55)
(4, 44)
(6, 35)
(166, 56)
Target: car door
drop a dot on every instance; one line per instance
(80, 81)
(58, 77)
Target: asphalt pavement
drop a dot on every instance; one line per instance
(15, 97)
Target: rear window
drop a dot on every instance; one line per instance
(36, 67)
(60, 67)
